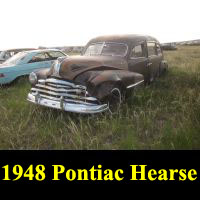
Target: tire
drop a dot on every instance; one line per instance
(149, 79)
(115, 99)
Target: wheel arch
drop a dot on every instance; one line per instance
(101, 85)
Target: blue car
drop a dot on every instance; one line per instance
(24, 63)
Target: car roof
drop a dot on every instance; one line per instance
(127, 38)
(18, 50)
(42, 50)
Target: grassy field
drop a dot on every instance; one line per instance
(164, 115)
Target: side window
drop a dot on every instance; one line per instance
(151, 46)
(137, 51)
(55, 54)
(39, 58)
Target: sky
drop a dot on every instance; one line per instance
(50, 23)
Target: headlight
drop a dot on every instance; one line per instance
(33, 78)
(56, 65)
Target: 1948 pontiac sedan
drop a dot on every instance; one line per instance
(109, 67)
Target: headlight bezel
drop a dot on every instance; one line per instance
(33, 78)
(56, 67)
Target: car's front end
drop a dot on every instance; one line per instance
(50, 90)
(84, 84)
(64, 95)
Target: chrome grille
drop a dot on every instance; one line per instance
(56, 89)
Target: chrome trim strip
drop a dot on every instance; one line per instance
(63, 94)
(135, 84)
(66, 100)
(61, 82)
(58, 86)
(59, 89)
(71, 107)
(56, 81)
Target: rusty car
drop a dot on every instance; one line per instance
(99, 78)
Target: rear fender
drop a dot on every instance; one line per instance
(163, 67)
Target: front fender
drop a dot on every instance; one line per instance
(100, 83)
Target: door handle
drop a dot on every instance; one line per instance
(149, 64)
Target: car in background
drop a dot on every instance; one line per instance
(169, 46)
(5, 55)
(99, 79)
(25, 62)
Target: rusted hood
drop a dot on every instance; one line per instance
(73, 66)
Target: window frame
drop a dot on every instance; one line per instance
(143, 45)
(45, 53)
(49, 54)
(155, 43)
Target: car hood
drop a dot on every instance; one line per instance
(73, 66)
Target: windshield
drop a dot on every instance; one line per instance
(16, 58)
(107, 49)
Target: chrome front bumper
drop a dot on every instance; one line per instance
(65, 96)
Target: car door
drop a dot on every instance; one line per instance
(138, 59)
(153, 59)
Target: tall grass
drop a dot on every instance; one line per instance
(164, 115)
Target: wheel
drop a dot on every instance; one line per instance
(115, 99)
(148, 80)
